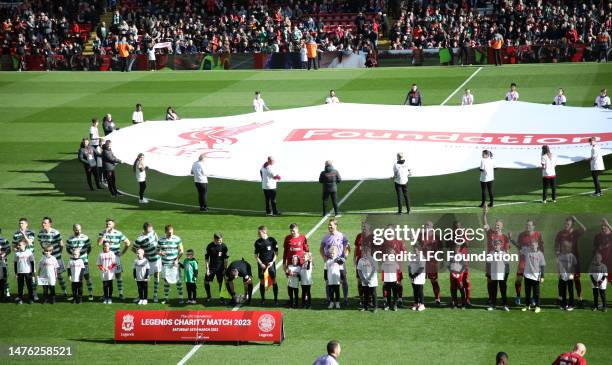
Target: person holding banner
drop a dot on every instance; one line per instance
(259, 104)
(467, 98)
(414, 98)
(171, 250)
(216, 263)
(201, 182)
(548, 163)
(242, 269)
(487, 175)
(602, 100)
(512, 95)
(560, 98)
(269, 179)
(401, 172)
(597, 165)
(330, 178)
(266, 251)
(332, 98)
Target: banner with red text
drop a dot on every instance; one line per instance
(362, 139)
(199, 325)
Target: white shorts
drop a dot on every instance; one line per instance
(155, 266)
(171, 274)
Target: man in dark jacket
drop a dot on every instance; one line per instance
(109, 162)
(330, 178)
(87, 156)
(414, 97)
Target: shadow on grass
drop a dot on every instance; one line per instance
(246, 198)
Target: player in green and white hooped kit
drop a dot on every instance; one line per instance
(26, 234)
(114, 238)
(149, 242)
(49, 236)
(171, 250)
(81, 241)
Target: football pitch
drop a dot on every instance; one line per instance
(43, 117)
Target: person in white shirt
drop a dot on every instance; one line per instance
(487, 170)
(140, 172)
(258, 103)
(47, 275)
(332, 98)
(151, 58)
(467, 98)
(94, 134)
(512, 95)
(401, 172)
(333, 351)
(201, 182)
(304, 56)
(548, 163)
(171, 114)
(368, 278)
(137, 116)
(602, 100)
(597, 165)
(269, 180)
(560, 98)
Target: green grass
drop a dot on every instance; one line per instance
(43, 116)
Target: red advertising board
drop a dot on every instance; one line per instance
(199, 325)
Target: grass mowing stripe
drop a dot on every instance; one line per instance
(278, 265)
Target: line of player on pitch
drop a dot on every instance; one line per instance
(162, 258)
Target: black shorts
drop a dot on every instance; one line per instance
(271, 272)
(218, 272)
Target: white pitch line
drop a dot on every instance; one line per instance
(279, 264)
(462, 85)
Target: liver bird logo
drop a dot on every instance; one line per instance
(214, 136)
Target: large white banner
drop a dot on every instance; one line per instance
(362, 140)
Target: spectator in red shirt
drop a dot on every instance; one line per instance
(572, 358)
(295, 244)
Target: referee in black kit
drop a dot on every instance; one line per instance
(414, 97)
(216, 262)
(239, 269)
(266, 251)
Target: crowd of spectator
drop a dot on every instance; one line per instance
(213, 26)
(520, 23)
(48, 28)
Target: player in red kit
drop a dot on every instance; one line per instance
(295, 244)
(460, 241)
(430, 246)
(572, 230)
(575, 357)
(494, 234)
(524, 240)
(602, 244)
